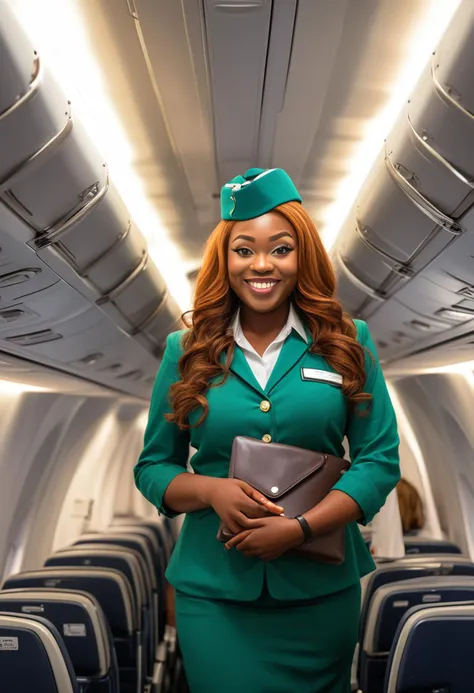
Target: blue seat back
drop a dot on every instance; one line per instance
(33, 656)
(387, 609)
(109, 587)
(415, 567)
(433, 650)
(419, 545)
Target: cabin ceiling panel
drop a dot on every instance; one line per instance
(173, 38)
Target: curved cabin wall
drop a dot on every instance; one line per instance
(66, 461)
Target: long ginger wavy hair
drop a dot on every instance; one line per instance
(208, 336)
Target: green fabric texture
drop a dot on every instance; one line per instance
(255, 193)
(309, 414)
(267, 645)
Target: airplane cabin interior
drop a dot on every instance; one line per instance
(120, 120)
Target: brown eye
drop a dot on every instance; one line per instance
(242, 251)
(286, 250)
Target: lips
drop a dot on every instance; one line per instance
(262, 286)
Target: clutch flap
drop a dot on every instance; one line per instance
(272, 468)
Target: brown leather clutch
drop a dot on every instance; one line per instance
(295, 478)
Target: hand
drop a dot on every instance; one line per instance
(268, 538)
(235, 502)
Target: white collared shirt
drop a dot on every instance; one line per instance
(262, 366)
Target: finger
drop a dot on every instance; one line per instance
(255, 510)
(235, 525)
(268, 504)
(260, 498)
(246, 545)
(250, 523)
(238, 539)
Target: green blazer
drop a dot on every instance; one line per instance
(305, 413)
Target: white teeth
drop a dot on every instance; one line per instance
(262, 285)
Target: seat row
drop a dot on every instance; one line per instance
(417, 616)
(93, 619)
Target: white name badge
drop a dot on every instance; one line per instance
(320, 376)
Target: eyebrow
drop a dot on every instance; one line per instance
(272, 238)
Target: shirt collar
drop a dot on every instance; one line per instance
(293, 323)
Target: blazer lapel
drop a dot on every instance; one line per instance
(293, 350)
(242, 370)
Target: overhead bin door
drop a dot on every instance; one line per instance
(18, 64)
(442, 108)
(59, 182)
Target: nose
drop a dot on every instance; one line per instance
(261, 263)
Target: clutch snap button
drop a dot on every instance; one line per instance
(274, 489)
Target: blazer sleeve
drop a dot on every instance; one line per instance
(373, 440)
(166, 447)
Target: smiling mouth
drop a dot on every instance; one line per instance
(262, 287)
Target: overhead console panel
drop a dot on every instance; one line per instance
(405, 257)
(78, 289)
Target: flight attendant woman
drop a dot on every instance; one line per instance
(252, 615)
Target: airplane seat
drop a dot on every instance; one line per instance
(388, 607)
(407, 568)
(156, 526)
(33, 656)
(425, 545)
(114, 594)
(123, 560)
(165, 540)
(433, 650)
(159, 552)
(77, 616)
(142, 545)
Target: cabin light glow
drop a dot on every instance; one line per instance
(465, 368)
(57, 28)
(142, 420)
(418, 48)
(8, 387)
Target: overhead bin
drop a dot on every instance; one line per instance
(404, 257)
(396, 221)
(19, 64)
(353, 291)
(163, 320)
(35, 126)
(77, 288)
(102, 244)
(137, 297)
(65, 178)
(442, 107)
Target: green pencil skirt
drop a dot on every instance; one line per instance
(269, 646)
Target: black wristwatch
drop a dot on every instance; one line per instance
(308, 534)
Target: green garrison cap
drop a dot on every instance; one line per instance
(255, 193)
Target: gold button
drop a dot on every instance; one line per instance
(267, 438)
(265, 406)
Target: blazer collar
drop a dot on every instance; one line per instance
(292, 351)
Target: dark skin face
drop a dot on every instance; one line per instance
(263, 269)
